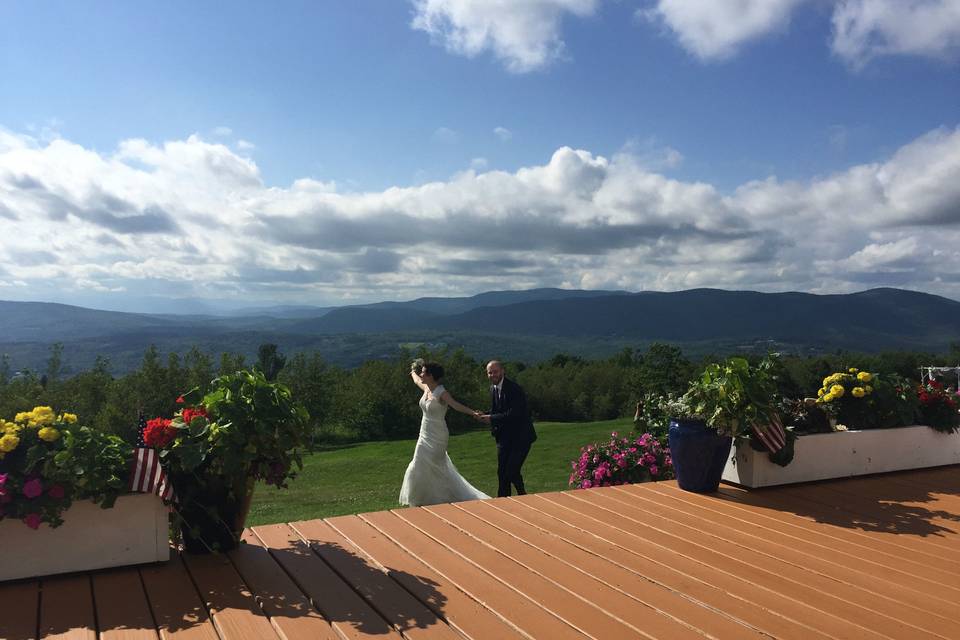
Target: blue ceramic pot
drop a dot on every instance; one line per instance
(699, 455)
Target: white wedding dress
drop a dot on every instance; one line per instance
(431, 477)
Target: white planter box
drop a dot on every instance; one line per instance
(134, 531)
(846, 453)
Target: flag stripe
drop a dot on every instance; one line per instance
(772, 435)
(146, 473)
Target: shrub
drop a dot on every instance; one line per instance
(621, 461)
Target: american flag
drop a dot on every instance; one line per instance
(773, 435)
(146, 474)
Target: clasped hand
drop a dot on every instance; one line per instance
(482, 417)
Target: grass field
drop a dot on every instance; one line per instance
(367, 476)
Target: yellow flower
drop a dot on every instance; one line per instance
(858, 392)
(863, 376)
(854, 369)
(39, 417)
(837, 390)
(8, 443)
(827, 397)
(69, 418)
(820, 392)
(49, 434)
(868, 389)
(42, 416)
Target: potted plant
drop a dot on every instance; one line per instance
(726, 401)
(64, 501)
(47, 461)
(217, 446)
(861, 422)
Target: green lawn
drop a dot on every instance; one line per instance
(367, 476)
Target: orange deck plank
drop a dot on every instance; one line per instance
(862, 607)
(290, 612)
(232, 605)
(123, 612)
(350, 614)
(462, 612)
(925, 600)
(639, 603)
(66, 608)
(19, 606)
(177, 609)
(522, 612)
(403, 611)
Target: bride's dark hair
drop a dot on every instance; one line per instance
(434, 369)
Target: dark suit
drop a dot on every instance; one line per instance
(512, 427)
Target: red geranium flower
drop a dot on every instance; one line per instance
(159, 432)
(192, 412)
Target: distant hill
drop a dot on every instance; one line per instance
(531, 324)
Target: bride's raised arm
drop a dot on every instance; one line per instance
(417, 381)
(462, 408)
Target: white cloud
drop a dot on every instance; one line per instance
(478, 164)
(222, 131)
(503, 133)
(715, 29)
(525, 35)
(192, 218)
(865, 29)
(862, 29)
(245, 145)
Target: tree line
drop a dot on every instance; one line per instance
(377, 400)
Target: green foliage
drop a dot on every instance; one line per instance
(96, 463)
(270, 361)
(734, 396)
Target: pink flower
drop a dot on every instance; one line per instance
(56, 491)
(3, 478)
(654, 470)
(32, 489)
(586, 484)
(32, 520)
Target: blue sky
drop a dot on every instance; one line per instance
(333, 152)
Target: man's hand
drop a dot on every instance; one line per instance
(484, 418)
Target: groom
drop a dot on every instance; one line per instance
(511, 426)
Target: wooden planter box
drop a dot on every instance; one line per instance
(134, 531)
(842, 454)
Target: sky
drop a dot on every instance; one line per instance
(181, 156)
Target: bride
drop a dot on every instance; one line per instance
(431, 477)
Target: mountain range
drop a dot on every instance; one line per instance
(529, 325)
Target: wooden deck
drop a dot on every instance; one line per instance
(876, 557)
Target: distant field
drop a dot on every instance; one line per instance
(367, 476)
